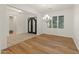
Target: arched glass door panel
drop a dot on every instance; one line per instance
(32, 25)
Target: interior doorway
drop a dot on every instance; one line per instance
(32, 25)
(12, 25)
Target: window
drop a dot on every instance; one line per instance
(61, 22)
(54, 21)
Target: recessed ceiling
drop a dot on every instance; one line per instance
(42, 8)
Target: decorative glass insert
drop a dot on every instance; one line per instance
(61, 22)
(54, 21)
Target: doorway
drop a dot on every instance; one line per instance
(32, 25)
(12, 25)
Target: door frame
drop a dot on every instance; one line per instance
(35, 20)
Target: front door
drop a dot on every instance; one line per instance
(32, 25)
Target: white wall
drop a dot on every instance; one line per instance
(39, 25)
(21, 24)
(76, 25)
(3, 27)
(19, 21)
(68, 24)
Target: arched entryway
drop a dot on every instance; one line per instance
(32, 25)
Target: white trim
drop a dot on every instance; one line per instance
(76, 42)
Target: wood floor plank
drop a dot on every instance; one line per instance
(44, 44)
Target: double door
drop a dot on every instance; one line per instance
(32, 25)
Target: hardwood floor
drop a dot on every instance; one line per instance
(14, 39)
(44, 44)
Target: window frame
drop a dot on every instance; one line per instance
(53, 25)
(60, 27)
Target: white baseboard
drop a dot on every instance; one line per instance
(3, 44)
(76, 42)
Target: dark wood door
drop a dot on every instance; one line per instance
(32, 25)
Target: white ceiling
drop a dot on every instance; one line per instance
(42, 8)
